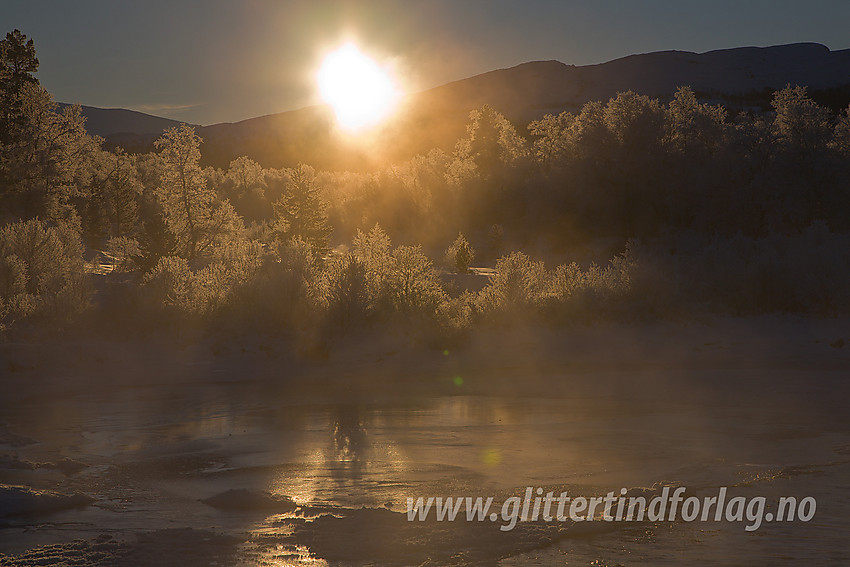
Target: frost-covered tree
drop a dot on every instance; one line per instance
(45, 170)
(245, 186)
(492, 143)
(301, 212)
(372, 249)
(344, 289)
(553, 145)
(460, 254)
(191, 211)
(17, 65)
(115, 191)
(413, 282)
(803, 130)
(802, 125)
(693, 126)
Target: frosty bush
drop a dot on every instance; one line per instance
(592, 293)
(413, 282)
(281, 294)
(456, 314)
(568, 282)
(522, 286)
(518, 283)
(169, 282)
(15, 302)
(41, 271)
(173, 283)
(123, 250)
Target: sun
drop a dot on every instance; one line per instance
(360, 91)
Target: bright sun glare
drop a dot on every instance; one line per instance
(359, 90)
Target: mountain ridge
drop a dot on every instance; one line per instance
(522, 93)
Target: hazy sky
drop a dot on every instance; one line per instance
(208, 61)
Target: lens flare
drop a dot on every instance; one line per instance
(360, 91)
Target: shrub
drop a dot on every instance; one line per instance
(281, 294)
(169, 282)
(456, 314)
(518, 283)
(41, 271)
(173, 283)
(521, 286)
(413, 282)
(15, 302)
(123, 251)
(595, 292)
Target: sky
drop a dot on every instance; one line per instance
(211, 61)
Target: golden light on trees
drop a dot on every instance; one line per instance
(361, 91)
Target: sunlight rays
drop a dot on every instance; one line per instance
(361, 91)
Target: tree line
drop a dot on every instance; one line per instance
(746, 213)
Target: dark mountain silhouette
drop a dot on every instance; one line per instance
(110, 121)
(529, 90)
(740, 77)
(129, 129)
